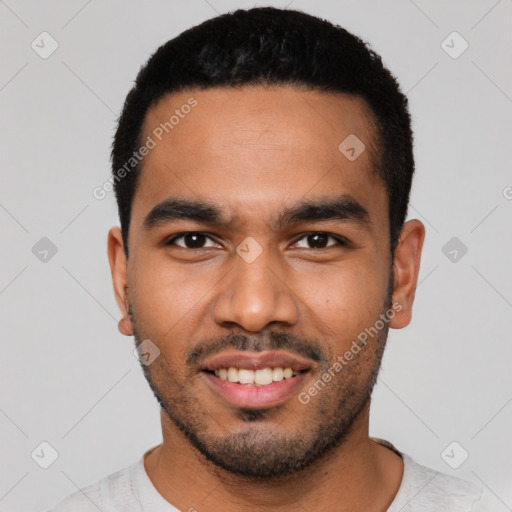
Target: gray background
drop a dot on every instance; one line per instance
(70, 379)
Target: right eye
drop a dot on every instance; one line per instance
(191, 240)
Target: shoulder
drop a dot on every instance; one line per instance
(110, 494)
(424, 488)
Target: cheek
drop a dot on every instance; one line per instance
(166, 295)
(346, 301)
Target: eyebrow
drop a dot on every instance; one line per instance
(342, 208)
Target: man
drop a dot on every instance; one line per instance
(262, 167)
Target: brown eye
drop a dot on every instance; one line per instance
(319, 240)
(192, 241)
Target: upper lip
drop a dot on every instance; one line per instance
(257, 361)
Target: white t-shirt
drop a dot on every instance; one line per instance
(422, 489)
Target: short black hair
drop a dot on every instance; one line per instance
(271, 46)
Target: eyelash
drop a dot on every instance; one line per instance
(340, 240)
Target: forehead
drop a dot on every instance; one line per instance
(251, 149)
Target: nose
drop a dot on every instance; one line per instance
(256, 294)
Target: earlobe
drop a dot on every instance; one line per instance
(118, 269)
(406, 266)
(125, 327)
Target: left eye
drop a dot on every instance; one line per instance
(319, 240)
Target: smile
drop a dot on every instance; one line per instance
(252, 395)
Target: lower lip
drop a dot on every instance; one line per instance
(254, 397)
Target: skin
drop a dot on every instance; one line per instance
(253, 151)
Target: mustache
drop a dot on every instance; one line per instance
(309, 348)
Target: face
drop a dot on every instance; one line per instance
(255, 243)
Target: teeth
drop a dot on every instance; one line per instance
(262, 377)
(232, 374)
(245, 376)
(277, 374)
(287, 373)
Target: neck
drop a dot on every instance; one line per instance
(357, 475)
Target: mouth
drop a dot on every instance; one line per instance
(260, 377)
(256, 380)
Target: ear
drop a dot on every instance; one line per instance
(118, 263)
(406, 267)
